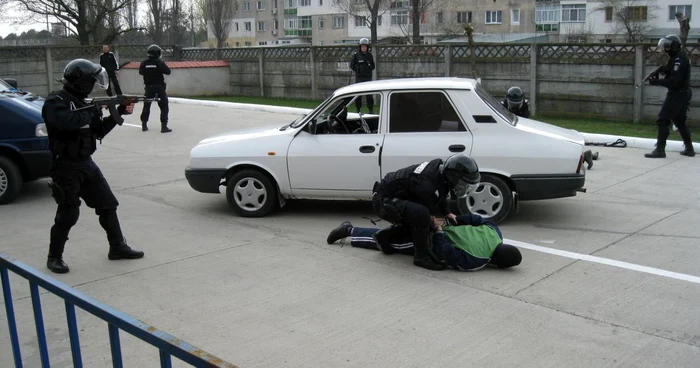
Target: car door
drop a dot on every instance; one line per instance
(335, 165)
(422, 125)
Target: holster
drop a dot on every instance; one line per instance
(392, 209)
(57, 192)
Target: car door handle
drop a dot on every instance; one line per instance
(457, 148)
(367, 149)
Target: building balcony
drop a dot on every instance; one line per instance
(290, 11)
(297, 32)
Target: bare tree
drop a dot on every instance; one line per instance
(419, 17)
(369, 9)
(630, 17)
(156, 13)
(176, 23)
(684, 23)
(218, 14)
(88, 20)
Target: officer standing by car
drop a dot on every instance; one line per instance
(675, 106)
(153, 70)
(109, 61)
(516, 102)
(73, 128)
(362, 64)
(410, 196)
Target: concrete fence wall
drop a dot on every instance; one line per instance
(568, 80)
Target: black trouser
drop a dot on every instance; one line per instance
(674, 109)
(151, 91)
(370, 98)
(113, 81)
(411, 215)
(81, 179)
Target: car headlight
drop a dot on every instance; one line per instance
(40, 130)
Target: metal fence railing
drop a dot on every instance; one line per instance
(167, 345)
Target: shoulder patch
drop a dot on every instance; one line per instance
(420, 168)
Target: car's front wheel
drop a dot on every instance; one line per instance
(10, 180)
(492, 200)
(251, 193)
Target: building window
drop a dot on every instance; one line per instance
(608, 13)
(305, 22)
(262, 43)
(549, 27)
(276, 24)
(291, 23)
(493, 16)
(464, 17)
(573, 13)
(685, 9)
(304, 2)
(440, 18)
(236, 26)
(320, 23)
(248, 26)
(290, 4)
(547, 14)
(247, 43)
(515, 16)
(338, 22)
(397, 4)
(360, 21)
(399, 18)
(320, 3)
(379, 21)
(261, 26)
(637, 13)
(274, 4)
(261, 5)
(246, 6)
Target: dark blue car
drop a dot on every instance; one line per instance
(24, 142)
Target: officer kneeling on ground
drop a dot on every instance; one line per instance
(74, 128)
(516, 102)
(675, 106)
(410, 195)
(469, 246)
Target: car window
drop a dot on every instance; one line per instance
(425, 111)
(495, 105)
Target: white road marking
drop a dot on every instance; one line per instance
(133, 125)
(605, 261)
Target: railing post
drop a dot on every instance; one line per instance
(39, 321)
(49, 70)
(314, 90)
(165, 361)
(73, 334)
(115, 346)
(261, 53)
(448, 60)
(534, 49)
(637, 72)
(10, 310)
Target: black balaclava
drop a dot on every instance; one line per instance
(505, 256)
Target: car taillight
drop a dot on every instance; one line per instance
(580, 164)
(40, 130)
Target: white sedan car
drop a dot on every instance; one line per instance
(335, 154)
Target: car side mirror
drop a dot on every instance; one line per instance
(11, 81)
(312, 126)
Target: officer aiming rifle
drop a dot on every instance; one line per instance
(111, 103)
(653, 75)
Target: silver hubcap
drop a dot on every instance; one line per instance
(487, 201)
(4, 182)
(250, 194)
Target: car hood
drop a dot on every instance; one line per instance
(244, 134)
(549, 130)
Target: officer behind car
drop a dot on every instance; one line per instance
(362, 64)
(677, 100)
(516, 102)
(153, 69)
(109, 61)
(410, 196)
(73, 128)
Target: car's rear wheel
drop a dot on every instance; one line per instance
(251, 193)
(10, 180)
(492, 200)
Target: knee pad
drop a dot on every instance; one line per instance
(67, 216)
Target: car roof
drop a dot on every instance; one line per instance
(409, 83)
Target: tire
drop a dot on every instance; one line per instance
(251, 193)
(10, 180)
(492, 200)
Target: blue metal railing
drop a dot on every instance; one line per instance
(167, 345)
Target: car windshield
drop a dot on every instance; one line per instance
(326, 111)
(495, 105)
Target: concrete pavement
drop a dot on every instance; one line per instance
(270, 292)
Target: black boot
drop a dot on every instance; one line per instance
(56, 265)
(656, 153)
(689, 150)
(339, 232)
(381, 238)
(144, 126)
(164, 128)
(122, 251)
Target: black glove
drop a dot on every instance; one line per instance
(653, 81)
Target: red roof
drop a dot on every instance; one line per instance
(183, 64)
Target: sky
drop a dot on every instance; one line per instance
(10, 14)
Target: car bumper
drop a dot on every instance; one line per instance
(204, 180)
(534, 187)
(38, 164)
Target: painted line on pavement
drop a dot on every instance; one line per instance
(605, 261)
(132, 125)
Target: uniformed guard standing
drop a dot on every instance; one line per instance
(516, 102)
(73, 129)
(153, 69)
(409, 197)
(675, 106)
(362, 64)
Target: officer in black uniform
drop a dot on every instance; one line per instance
(675, 106)
(73, 128)
(516, 102)
(153, 70)
(409, 196)
(362, 64)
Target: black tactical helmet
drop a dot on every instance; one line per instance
(81, 75)
(671, 44)
(515, 98)
(461, 174)
(364, 41)
(154, 51)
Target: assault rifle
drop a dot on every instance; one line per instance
(654, 73)
(111, 103)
